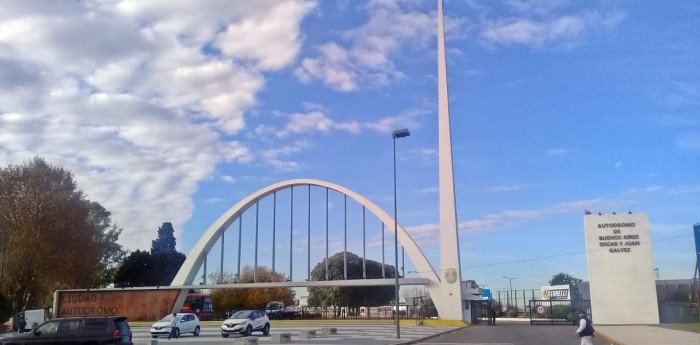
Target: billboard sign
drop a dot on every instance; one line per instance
(487, 293)
(137, 305)
(556, 292)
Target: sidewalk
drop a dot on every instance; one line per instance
(642, 335)
(637, 334)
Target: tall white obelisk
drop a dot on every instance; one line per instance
(450, 302)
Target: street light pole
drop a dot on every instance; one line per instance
(510, 294)
(399, 133)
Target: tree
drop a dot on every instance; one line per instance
(429, 309)
(51, 242)
(228, 277)
(165, 256)
(350, 296)
(111, 252)
(165, 242)
(5, 308)
(565, 279)
(138, 269)
(412, 292)
(225, 300)
(155, 268)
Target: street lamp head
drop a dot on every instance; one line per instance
(400, 133)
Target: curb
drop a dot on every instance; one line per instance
(609, 339)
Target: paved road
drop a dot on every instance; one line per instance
(347, 335)
(511, 333)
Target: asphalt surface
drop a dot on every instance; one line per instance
(347, 335)
(504, 333)
(511, 333)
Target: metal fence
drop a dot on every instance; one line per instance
(483, 312)
(557, 312)
(514, 303)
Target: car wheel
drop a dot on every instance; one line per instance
(248, 331)
(196, 331)
(266, 329)
(225, 335)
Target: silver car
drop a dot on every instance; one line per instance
(246, 322)
(181, 323)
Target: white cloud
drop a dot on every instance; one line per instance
(558, 152)
(316, 121)
(141, 100)
(228, 179)
(279, 24)
(409, 118)
(367, 58)
(544, 28)
(428, 234)
(504, 188)
(273, 157)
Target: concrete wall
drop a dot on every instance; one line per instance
(621, 269)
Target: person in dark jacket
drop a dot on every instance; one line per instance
(585, 329)
(21, 324)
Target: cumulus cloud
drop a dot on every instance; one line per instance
(558, 152)
(141, 100)
(273, 157)
(408, 118)
(545, 23)
(316, 121)
(364, 58)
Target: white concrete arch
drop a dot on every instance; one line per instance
(189, 269)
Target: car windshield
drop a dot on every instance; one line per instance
(244, 314)
(167, 318)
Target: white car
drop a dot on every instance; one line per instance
(183, 323)
(245, 322)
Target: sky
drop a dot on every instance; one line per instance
(173, 111)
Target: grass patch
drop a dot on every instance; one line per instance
(689, 327)
(429, 322)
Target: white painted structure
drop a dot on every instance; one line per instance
(446, 288)
(621, 269)
(451, 304)
(195, 258)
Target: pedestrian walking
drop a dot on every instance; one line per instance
(585, 329)
(174, 330)
(21, 324)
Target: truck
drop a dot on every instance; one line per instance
(34, 318)
(276, 310)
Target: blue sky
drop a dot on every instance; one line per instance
(175, 111)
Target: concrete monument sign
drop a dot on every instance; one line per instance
(621, 269)
(137, 305)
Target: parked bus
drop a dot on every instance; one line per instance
(198, 303)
